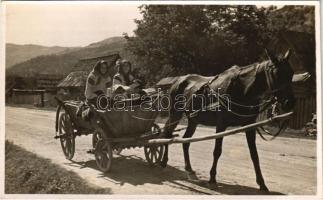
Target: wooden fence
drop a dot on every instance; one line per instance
(32, 97)
(303, 110)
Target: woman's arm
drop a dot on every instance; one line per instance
(117, 80)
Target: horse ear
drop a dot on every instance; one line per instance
(271, 56)
(287, 54)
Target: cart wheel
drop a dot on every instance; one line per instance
(153, 154)
(66, 131)
(95, 138)
(103, 155)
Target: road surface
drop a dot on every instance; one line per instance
(288, 164)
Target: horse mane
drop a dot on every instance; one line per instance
(261, 64)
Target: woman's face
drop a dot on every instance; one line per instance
(126, 68)
(104, 68)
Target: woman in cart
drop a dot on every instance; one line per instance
(97, 82)
(123, 81)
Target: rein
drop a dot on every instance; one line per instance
(281, 129)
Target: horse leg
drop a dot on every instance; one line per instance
(251, 139)
(168, 132)
(188, 133)
(216, 155)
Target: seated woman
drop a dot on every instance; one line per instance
(123, 81)
(97, 83)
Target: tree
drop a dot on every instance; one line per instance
(174, 40)
(295, 18)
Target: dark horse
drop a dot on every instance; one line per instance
(246, 86)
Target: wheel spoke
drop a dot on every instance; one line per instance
(158, 150)
(155, 156)
(101, 162)
(151, 157)
(63, 123)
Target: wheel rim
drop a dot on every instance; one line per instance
(154, 154)
(103, 155)
(67, 140)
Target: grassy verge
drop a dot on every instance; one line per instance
(26, 173)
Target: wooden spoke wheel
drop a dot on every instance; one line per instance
(154, 154)
(67, 137)
(103, 155)
(97, 136)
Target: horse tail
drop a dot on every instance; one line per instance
(177, 89)
(174, 115)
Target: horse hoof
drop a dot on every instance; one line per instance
(163, 164)
(191, 176)
(264, 188)
(212, 185)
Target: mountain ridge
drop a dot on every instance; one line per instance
(62, 62)
(16, 53)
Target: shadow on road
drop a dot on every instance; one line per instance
(136, 171)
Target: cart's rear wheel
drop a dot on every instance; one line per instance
(103, 155)
(67, 138)
(153, 154)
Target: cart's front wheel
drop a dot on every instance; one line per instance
(67, 137)
(103, 155)
(153, 154)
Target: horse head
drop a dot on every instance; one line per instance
(279, 78)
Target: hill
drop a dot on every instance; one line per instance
(19, 53)
(62, 63)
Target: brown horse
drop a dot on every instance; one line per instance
(246, 87)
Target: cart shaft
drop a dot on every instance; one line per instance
(220, 134)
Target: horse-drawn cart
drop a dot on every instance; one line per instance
(115, 130)
(111, 131)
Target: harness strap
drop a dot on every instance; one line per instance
(269, 78)
(281, 129)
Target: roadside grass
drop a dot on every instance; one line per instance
(27, 173)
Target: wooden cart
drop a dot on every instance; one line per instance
(115, 130)
(111, 132)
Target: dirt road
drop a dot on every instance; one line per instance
(288, 164)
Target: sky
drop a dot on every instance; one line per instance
(68, 24)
